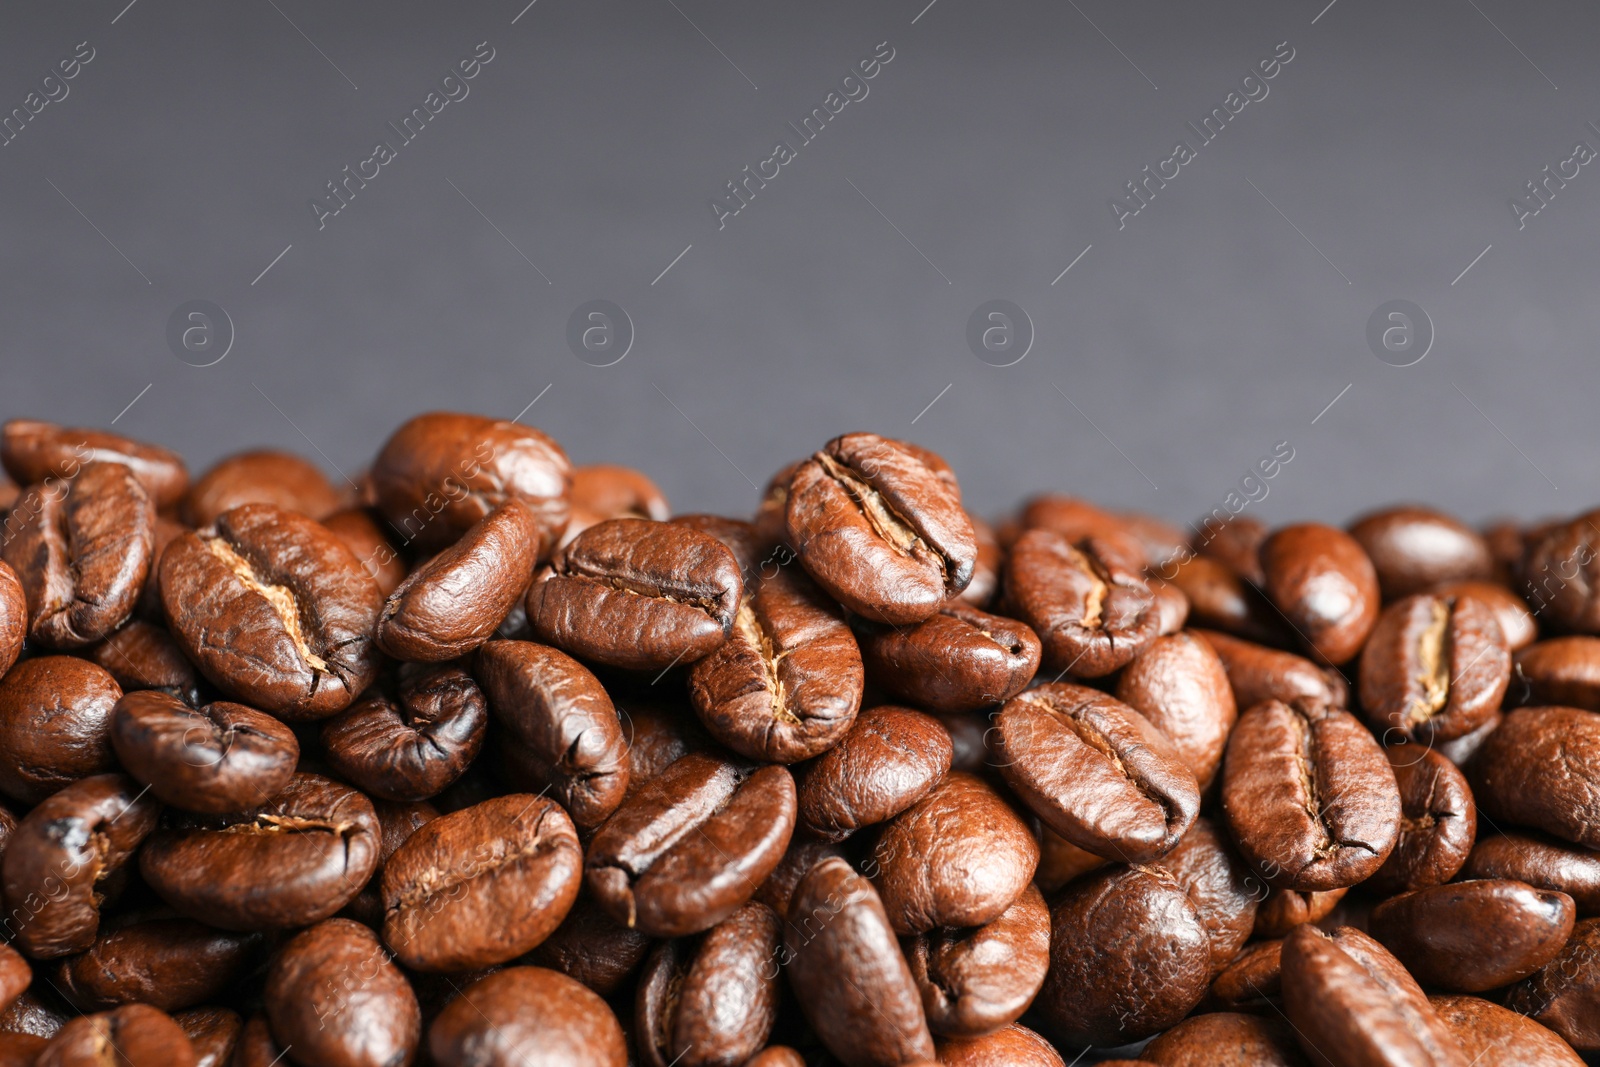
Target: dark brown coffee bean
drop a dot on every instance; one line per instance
(33, 451)
(366, 534)
(637, 594)
(776, 1056)
(688, 848)
(334, 997)
(1493, 1036)
(527, 1017)
(167, 963)
(1540, 861)
(13, 617)
(713, 1001)
(1010, 1046)
(880, 529)
(1226, 1039)
(771, 518)
(15, 976)
(482, 885)
(32, 1014)
(1541, 769)
(413, 747)
(1235, 542)
(1561, 574)
(60, 856)
(1172, 606)
(143, 655)
(280, 479)
(1219, 599)
(802, 854)
(1221, 888)
(1438, 821)
(1259, 673)
(292, 861)
(960, 856)
(55, 725)
(1078, 520)
(1517, 623)
(397, 821)
(1561, 670)
(1129, 956)
(1414, 547)
(974, 981)
(1433, 669)
(1060, 861)
(960, 659)
(891, 758)
(256, 1048)
(1324, 584)
(1309, 797)
(1565, 994)
(561, 716)
(1461, 750)
(1180, 686)
(219, 758)
(604, 491)
(658, 731)
(1095, 771)
(136, 1035)
(756, 558)
(275, 610)
(1091, 608)
(593, 948)
(213, 1032)
(1282, 910)
(787, 683)
(1469, 937)
(1252, 980)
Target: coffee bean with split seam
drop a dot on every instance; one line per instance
(1541, 769)
(1323, 582)
(33, 451)
(1433, 668)
(167, 963)
(1438, 824)
(1091, 607)
(978, 979)
(960, 659)
(219, 758)
(416, 745)
(13, 617)
(135, 1034)
(143, 655)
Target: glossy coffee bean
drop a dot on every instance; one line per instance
(1226, 1039)
(1088, 603)
(1565, 994)
(1325, 585)
(1433, 669)
(786, 685)
(31, 1014)
(143, 655)
(592, 948)
(33, 451)
(1414, 547)
(986, 566)
(1179, 685)
(604, 491)
(1560, 670)
(1461, 750)
(1492, 1036)
(255, 1047)
(167, 963)
(281, 479)
(1172, 607)
(974, 981)
(565, 722)
(1541, 769)
(13, 617)
(366, 534)
(1252, 980)
(1438, 821)
(689, 847)
(397, 821)
(1236, 543)
(55, 716)
(776, 1056)
(293, 861)
(213, 1032)
(848, 974)
(333, 996)
(1222, 889)
(891, 758)
(1076, 520)
(57, 862)
(1258, 673)
(482, 885)
(1517, 623)
(15, 976)
(136, 1034)
(960, 659)
(1219, 599)
(218, 758)
(1282, 910)
(527, 1017)
(1010, 1046)
(1473, 936)
(1309, 796)
(275, 610)
(1095, 771)
(1561, 574)
(414, 746)
(1540, 861)
(880, 529)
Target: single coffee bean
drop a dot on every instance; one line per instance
(561, 716)
(1517, 623)
(213, 1032)
(1539, 861)
(62, 853)
(771, 517)
(1493, 1036)
(891, 758)
(604, 491)
(637, 594)
(960, 659)
(974, 981)
(757, 559)
(1469, 937)
(1010, 1046)
(148, 607)
(1565, 994)
(34, 451)
(527, 1017)
(413, 747)
(1308, 795)
(1259, 673)
(848, 973)
(593, 948)
(1095, 771)
(1541, 769)
(1561, 574)
(689, 847)
(715, 1000)
(333, 996)
(31, 1014)
(1060, 861)
(280, 479)
(1091, 608)
(143, 655)
(1560, 670)
(55, 716)
(1219, 599)
(1282, 910)
(219, 758)
(1221, 888)
(1433, 669)
(1160, 539)
(136, 1034)
(167, 963)
(482, 885)
(255, 1047)
(1226, 1039)
(1438, 822)
(397, 821)
(1252, 980)
(1414, 547)
(776, 1056)
(969, 738)
(1078, 520)
(787, 682)
(1129, 956)
(293, 861)
(13, 617)
(365, 533)
(275, 610)
(1178, 683)
(1324, 584)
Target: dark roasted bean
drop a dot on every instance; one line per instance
(1493, 1036)
(1282, 910)
(1438, 821)
(55, 725)
(281, 479)
(1060, 861)
(143, 655)
(1414, 547)
(802, 854)
(1517, 623)
(168, 963)
(219, 758)
(1091, 608)
(1251, 980)
(986, 566)
(592, 947)
(1010, 1046)
(1180, 686)
(974, 981)
(1077, 520)
(13, 617)
(365, 533)
(34, 451)
(1235, 542)
(1540, 861)
(1565, 994)
(136, 1034)
(1561, 574)
(1473, 936)
(1561, 670)
(891, 758)
(1433, 668)
(1220, 599)
(1220, 887)
(213, 1032)
(960, 659)
(1259, 673)
(604, 491)
(1324, 584)
(1541, 769)
(415, 746)
(1226, 1039)
(334, 997)
(527, 1017)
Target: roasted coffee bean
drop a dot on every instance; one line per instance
(714, 1000)
(255, 1047)
(365, 533)
(1236, 542)
(149, 607)
(604, 491)
(593, 948)
(135, 1034)
(1179, 685)
(527, 1017)
(1091, 608)
(787, 682)
(1541, 769)
(891, 758)
(55, 724)
(969, 738)
(688, 848)
(1282, 910)
(658, 733)
(1095, 771)
(1438, 821)
(397, 821)
(167, 963)
(1565, 994)
(1259, 673)
(1221, 888)
(776, 1056)
(219, 758)
(413, 747)
(1220, 599)
(1010, 1046)
(34, 452)
(1561, 670)
(986, 566)
(482, 885)
(561, 716)
(756, 559)
(1469, 937)
(1252, 980)
(15, 975)
(1414, 547)
(848, 974)
(1129, 956)
(214, 1033)
(1517, 623)
(960, 659)
(333, 996)
(1493, 1036)
(960, 856)
(1076, 520)
(1226, 1039)
(1561, 574)
(974, 981)
(143, 655)
(275, 610)
(802, 854)
(637, 594)
(293, 861)
(1433, 669)
(32, 1014)
(1172, 607)
(1539, 861)
(82, 551)
(13, 617)
(771, 518)
(452, 603)
(1349, 1001)
(280, 479)
(1308, 795)
(1461, 750)
(1060, 861)
(1325, 585)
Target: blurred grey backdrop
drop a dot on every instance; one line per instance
(580, 162)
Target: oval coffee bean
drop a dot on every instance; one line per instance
(143, 655)
(265, 476)
(1252, 980)
(1219, 599)
(1469, 937)
(787, 682)
(1497, 1037)
(1087, 602)
(1560, 670)
(1220, 886)
(33, 451)
(167, 963)
(1413, 547)
(690, 846)
(15, 976)
(1324, 584)
(481, 885)
(1309, 796)
(880, 529)
(1076, 520)
(1565, 994)
(137, 1034)
(1010, 1046)
(802, 854)
(986, 567)
(1541, 769)
(220, 758)
(55, 722)
(637, 594)
(1433, 669)
(1225, 1039)
(1282, 910)
(333, 996)
(1438, 821)
(659, 733)
(1172, 606)
(214, 1033)
(1517, 623)
(891, 758)
(1178, 683)
(13, 617)
(1258, 673)
(275, 610)
(1561, 574)
(604, 491)
(1540, 861)
(527, 1017)
(413, 747)
(960, 659)
(1060, 861)
(593, 948)
(974, 981)
(1095, 771)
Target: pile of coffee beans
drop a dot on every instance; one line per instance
(487, 760)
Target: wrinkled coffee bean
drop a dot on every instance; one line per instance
(1561, 670)
(55, 725)
(1565, 994)
(1325, 585)
(960, 659)
(1258, 673)
(167, 963)
(1087, 602)
(974, 981)
(1076, 520)
(265, 476)
(333, 996)
(413, 747)
(136, 1034)
(219, 758)
(1181, 688)
(34, 451)
(1414, 547)
(1438, 821)
(1473, 936)
(1220, 886)
(604, 491)
(1540, 861)
(1541, 769)
(527, 1017)
(142, 655)
(1561, 574)
(1010, 1046)
(891, 758)
(1433, 669)
(1226, 1039)
(1493, 1036)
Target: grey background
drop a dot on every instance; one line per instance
(1172, 356)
